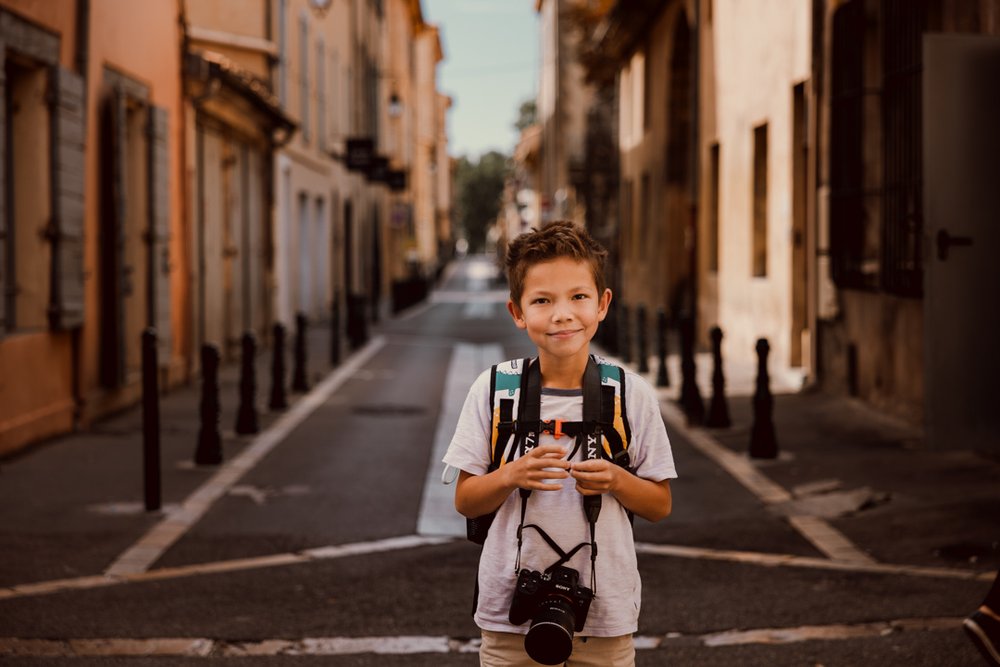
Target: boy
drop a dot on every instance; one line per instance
(558, 296)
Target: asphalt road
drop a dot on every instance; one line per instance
(313, 555)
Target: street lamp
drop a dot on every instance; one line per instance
(395, 105)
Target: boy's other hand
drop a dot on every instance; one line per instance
(538, 469)
(594, 477)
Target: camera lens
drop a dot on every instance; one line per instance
(550, 637)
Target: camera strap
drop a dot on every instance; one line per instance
(590, 442)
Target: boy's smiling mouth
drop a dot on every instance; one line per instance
(564, 333)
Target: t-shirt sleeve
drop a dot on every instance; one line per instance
(652, 457)
(469, 449)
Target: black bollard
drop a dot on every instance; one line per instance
(209, 451)
(246, 415)
(299, 380)
(335, 331)
(641, 331)
(691, 403)
(625, 338)
(763, 443)
(150, 422)
(718, 409)
(279, 398)
(662, 377)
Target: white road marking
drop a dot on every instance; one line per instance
(788, 560)
(437, 509)
(827, 539)
(416, 644)
(219, 567)
(140, 556)
(416, 541)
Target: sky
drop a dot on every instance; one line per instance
(491, 65)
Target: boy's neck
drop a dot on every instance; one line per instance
(563, 373)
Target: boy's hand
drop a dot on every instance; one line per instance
(595, 476)
(534, 469)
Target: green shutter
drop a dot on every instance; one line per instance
(66, 300)
(159, 224)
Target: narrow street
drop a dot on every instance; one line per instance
(329, 539)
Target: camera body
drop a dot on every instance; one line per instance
(557, 596)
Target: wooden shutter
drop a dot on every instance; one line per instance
(66, 303)
(159, 227)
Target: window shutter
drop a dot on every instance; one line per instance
(66, 302)
(159, 224)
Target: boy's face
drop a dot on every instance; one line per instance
(560, 307)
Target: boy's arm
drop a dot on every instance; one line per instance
(646, 498)
(476, 495)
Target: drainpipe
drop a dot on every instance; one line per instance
(82, 65)
(695, 161)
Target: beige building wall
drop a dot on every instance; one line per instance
(311, 180)
(760, 53)
(428, 55)
(562, 103)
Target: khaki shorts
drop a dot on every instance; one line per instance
(503, 649)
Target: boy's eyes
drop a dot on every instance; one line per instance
(544, 300)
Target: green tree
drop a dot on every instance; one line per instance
(478, 188)
(527, 114)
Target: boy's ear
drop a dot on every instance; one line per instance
(515, 313)
(603, 305)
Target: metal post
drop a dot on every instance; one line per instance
(763, 442)
(662, 377)
(642, 333)
(209, 450)
(246, 415)
(335, 331)
(279, 398)
(718, 409)
(693, 406)
(299, 380)
(150, 422)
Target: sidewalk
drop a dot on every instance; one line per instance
(71, 505)
(865, 474)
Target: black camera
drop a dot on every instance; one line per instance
(557, 607)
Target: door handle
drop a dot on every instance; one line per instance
(945, 241)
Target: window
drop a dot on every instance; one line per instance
(712, 242)
(853, 238)
(41, 187)
(627, 232)
(679, 112)
(133, 237)
(760, 201)
(28, 250)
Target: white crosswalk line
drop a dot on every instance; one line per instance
(437, 509)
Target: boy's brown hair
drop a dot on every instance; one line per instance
(562, 238)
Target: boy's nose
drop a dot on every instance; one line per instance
(562, 312)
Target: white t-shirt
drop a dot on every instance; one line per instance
(615, 609)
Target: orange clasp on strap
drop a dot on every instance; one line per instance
(557, 432)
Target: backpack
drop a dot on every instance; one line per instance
(515, 388)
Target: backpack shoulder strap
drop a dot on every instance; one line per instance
(506, 384)
(614, 417)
